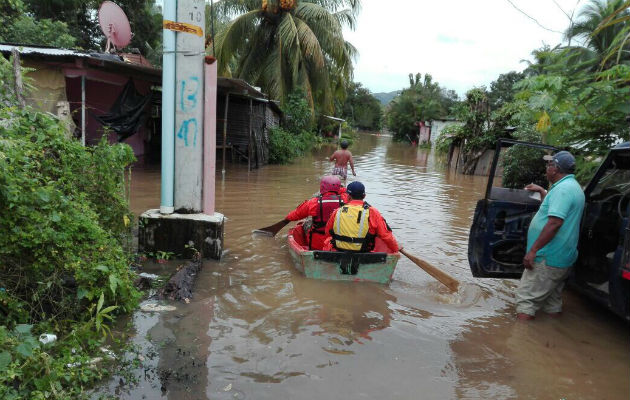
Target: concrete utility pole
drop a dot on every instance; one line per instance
(188, 141)
(189, 108)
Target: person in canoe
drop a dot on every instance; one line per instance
(331, 196)
(353, 226)
(342, 158)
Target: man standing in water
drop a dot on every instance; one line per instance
(551, 240)
(342, 158)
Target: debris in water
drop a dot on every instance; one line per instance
(180, 285)
(154, 307)
(148, 276)
(337, 351)
(46, 338)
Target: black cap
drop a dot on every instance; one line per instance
(356, 189)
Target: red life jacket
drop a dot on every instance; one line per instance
(327, 203)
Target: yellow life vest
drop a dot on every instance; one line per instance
(351, 226)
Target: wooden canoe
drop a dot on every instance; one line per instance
(377, 266)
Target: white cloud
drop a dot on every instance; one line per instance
(461, 43)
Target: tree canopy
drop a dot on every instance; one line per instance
(74, 24)
(289, 44)
(361, 109)
(423, 100)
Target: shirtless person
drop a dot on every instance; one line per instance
(341, 158)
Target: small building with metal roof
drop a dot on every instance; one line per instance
(92, 91)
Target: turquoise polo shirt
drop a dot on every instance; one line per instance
(564, 200)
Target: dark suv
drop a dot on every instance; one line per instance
(497, 239)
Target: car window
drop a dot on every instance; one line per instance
(518, 166)
(615, 181)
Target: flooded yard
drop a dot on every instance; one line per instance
(257, 329)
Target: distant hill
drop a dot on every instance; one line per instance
(385, 98)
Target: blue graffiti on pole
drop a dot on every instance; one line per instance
(188, 102)
(188, 98)
(184, 131)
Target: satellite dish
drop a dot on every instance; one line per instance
(114, 24)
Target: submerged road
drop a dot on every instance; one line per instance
(257, 329)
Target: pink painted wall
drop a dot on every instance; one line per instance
(424, 133)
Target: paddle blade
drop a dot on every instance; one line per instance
(263, 232)
(271, 230)
(441, 276)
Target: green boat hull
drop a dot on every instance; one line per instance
(338, 266)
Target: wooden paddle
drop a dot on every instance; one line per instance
(271, 230)
(438, 274)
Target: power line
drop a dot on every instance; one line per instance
(532, 18)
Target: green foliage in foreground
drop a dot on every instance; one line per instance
(63, 267)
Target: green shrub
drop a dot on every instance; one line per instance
(295, 137)
(298, 116)
(447, 136)
(283, 146)
(63, 269)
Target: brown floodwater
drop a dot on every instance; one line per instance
(257, 329)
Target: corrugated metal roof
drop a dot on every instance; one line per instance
(46, 51)
(111, 62)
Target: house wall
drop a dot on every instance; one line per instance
(238, 122)
(438, 125)
(424, 133)
(482, 168)
(238, 127)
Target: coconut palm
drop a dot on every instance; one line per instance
(283, 45)
(599, 37)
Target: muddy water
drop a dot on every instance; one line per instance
(257, 329)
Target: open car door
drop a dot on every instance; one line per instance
(498, 236)
(602, 270)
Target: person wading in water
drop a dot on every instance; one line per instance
(342, 158)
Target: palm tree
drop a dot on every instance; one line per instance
(599, 36)
(283, 45)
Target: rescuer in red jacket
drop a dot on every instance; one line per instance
(354, 226)
(331, 196)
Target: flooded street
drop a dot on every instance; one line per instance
(257, 329)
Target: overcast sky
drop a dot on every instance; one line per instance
(462, 43)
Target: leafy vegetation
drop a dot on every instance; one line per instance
(284, 45)
(522, 165)
(74, 23)
(573, 96)
(25, 29)
(361, 109)
(64, 268)
(295, 136)
(424, 100)
(577, 95)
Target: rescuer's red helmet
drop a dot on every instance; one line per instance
(330, 183)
